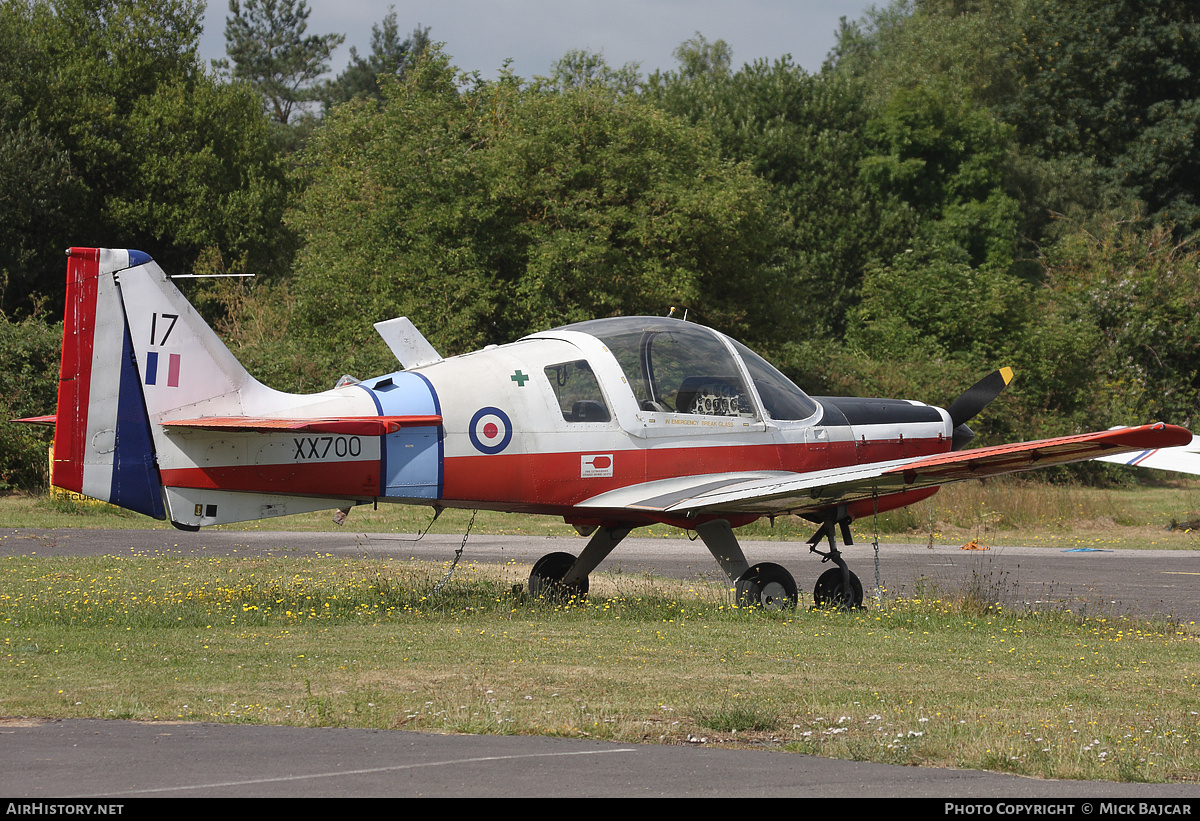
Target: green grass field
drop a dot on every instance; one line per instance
(948, 678)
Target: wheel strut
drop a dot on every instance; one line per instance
(838, 586)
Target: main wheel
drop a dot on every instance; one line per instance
(831, 590)
(768, 586)
(546, 579)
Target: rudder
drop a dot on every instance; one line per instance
(103, 446)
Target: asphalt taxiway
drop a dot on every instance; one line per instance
(112, 761)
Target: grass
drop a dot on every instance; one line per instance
(1010, 510)
(944, 679)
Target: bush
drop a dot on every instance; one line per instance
(29, 357)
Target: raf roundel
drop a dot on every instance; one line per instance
(490, 430)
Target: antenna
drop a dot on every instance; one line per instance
(206, 276)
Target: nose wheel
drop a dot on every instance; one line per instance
(838, 588)
(768, 586)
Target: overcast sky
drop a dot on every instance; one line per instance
(481, 34)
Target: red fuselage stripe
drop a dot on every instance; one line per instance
(353, 479)
(545, 481)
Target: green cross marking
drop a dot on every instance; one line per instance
(519, 378)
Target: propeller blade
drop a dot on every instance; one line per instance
(979, 396)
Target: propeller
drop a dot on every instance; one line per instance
(973, 400)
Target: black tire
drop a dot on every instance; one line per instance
(546, 578)
(767, 586)
(831, 591)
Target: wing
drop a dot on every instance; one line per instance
(346, 425)
(779, 492)
(1183, 459)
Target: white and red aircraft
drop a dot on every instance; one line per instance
(612, 424)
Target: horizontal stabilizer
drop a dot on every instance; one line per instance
(1181, 459)
(346, 425)
(48, 421)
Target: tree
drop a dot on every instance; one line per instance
(389, 57)
(112, 132)
(266, 43)
(699, 58)
(944, 158)
(212, 190)
(804, 135)
(1102, 94)
(1139, 287)
(956, 44)
(492, 212)
(1115, 81)
(586, 69)
(29, 352)
(72, 72)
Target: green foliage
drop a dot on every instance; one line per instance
(213, 184)
(585, 69)
(1140, 289)
(112, 133)
(803, 134)
(38, 192)
(699, 58)
(1115, 81)
(954, 44)
(29, 351)
(73, 70)
(389, 57)
(488, 213)
(267, 46)
(944, 159)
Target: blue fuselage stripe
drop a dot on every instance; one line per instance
(411, 458)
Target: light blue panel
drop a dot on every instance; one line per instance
(412, 457)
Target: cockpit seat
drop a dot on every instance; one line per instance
(711, 396)
(589, 410)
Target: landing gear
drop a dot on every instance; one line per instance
(832, 590)
(562, 576)
(547, 578)
(837, 587)
(765, 585)
(768, 586)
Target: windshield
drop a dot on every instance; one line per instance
(780, 397)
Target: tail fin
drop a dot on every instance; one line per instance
(156, 415)
(133, 350)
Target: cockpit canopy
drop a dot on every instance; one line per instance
(675, 366)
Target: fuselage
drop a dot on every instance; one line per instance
(544, 423)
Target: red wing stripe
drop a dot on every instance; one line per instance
(347, 425)
(1006, 458)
